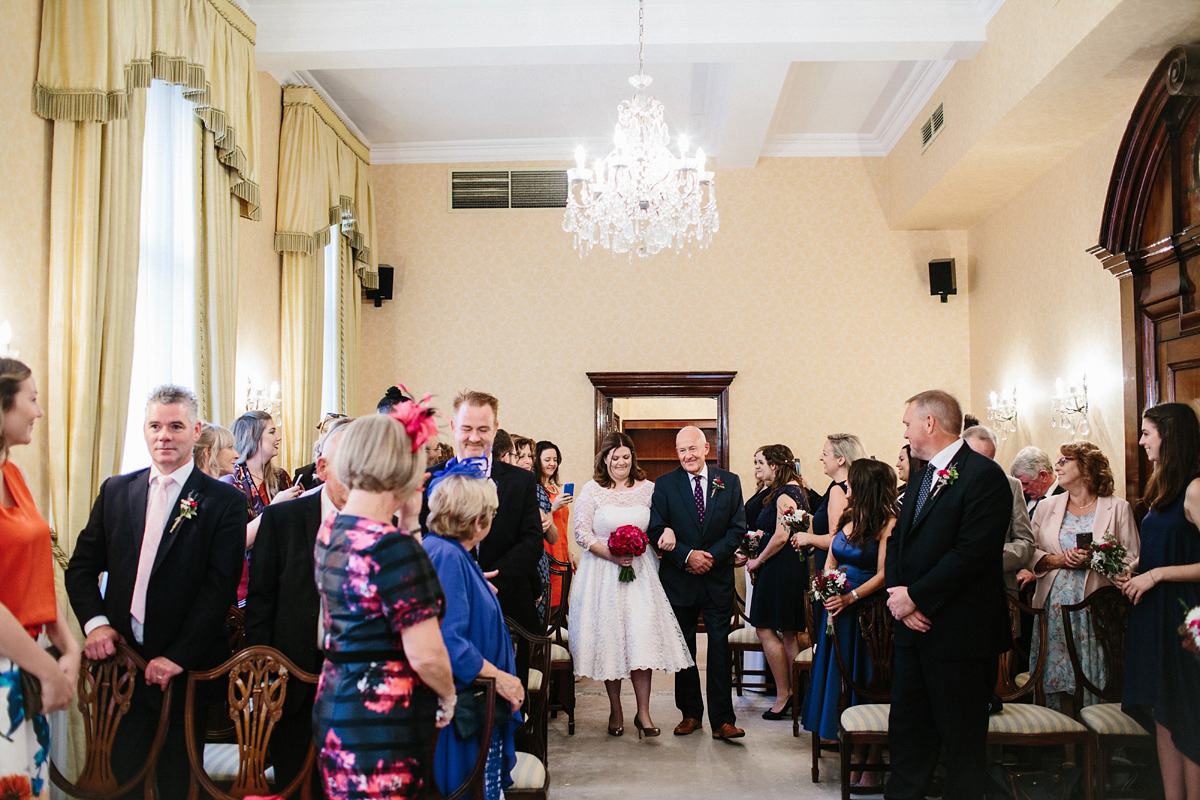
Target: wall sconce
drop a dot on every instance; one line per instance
(1002, 410)
(6, 336)
(261, 398)
(1069, 407)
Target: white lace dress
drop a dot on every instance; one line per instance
(617, 627)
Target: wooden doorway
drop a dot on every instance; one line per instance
(1150, 240)
(609, 386)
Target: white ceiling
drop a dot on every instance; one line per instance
(514, 80)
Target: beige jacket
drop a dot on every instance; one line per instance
(1113, 515)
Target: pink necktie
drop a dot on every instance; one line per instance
(156, 521)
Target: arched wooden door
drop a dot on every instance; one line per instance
(1150, 240)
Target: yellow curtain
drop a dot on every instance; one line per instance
(324, 181)
(93, 58)
(216, 287)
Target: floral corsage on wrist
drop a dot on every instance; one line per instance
(187, 510)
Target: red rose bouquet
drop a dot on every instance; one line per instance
(1191, 629)
(1109, 557)
(826, 585)
(627, 540)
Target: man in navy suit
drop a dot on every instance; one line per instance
(172, 541)
(697, 521)
(945, 579)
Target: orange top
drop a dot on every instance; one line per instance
(560, 549)
(26, 560)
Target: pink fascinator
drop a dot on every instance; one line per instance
(418, 418)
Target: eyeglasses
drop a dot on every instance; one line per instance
(329, 418)
(1062, 461)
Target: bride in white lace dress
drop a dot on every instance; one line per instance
(620, 630)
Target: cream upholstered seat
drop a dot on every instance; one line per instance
(559, 653)
(221, 763)
(744, 636)
(530, 778)
(1027, 719)
(805, 656)
(869, 718)
(1107, 719)
(533, 681)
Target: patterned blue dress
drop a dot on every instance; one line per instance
(373, 719)
(820, 712)
(1162, 680)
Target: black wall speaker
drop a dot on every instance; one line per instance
(941, 278)
(386, 276)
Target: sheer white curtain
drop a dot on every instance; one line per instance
(331, 371)
(164, 345)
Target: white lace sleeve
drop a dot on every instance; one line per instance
(585, 511)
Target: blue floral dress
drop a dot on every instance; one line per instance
(374, 718)
(1067, 589)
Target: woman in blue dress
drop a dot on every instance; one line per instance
(386, 682)
(462, 503)
(1162, 680)
(859, 549)
(777, 608)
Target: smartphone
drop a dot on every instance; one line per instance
(569, 488)
(1083, 540)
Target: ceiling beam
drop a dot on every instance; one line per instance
(753, 94)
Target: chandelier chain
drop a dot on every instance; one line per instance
(641, 37)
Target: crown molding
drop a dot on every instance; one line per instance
(302, 77)
(485, 151)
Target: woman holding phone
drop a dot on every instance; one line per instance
(546, 461)
(1063, 528)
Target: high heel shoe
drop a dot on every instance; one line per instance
(782, 713)
(650, 732)
(617, 731)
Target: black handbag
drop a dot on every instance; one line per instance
(470, 710)
(31, 687)
(1009, 783)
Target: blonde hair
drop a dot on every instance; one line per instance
(456, 502)
(847, 446)
(213, 439)
(942, 407)
(376, 455)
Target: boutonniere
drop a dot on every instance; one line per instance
(717, 485)
(945, 477)
(187, 510)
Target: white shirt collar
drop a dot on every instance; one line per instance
(179, 476)
(943, 458)
(327, 506)
(703, 476)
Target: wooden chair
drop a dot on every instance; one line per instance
(562, 667)
(1028, 724)
(531, 778)
(802, 666)
(867, 722)
(103, 695)
(1108, 610)
(742, 640)
(257, 687)
(236, 620)
(473, 785)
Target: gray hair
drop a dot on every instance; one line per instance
(1029, 462)
(323, 440)
(169, 394)
(983, 433)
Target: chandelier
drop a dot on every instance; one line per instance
(641, 198)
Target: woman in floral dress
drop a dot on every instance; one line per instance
(386, 683)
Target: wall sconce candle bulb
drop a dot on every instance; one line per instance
(1002, 410)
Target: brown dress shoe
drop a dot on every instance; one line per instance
(687, 725)
(728, 731)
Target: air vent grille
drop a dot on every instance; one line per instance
(503, 189)
(933, 126)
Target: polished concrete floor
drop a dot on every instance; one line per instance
(768, 763)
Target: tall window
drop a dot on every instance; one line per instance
(164, 343)
(331, 358)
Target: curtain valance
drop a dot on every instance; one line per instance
(324, 180)
(95, 53)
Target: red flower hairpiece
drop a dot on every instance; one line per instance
(418, 419)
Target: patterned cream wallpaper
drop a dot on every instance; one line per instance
(822, 310)
(24, 219)
(1042, 307)
(259, 276)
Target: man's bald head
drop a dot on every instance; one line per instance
(692, 449)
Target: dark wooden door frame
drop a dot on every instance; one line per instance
(610, 385)
(1155, 173)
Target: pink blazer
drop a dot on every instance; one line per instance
(1113, 515)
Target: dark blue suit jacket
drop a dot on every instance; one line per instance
(674, 506)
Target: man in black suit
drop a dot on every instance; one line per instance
(172, 541)
(697, 521)
(510, 553)
(945, 580)
(283, 606)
